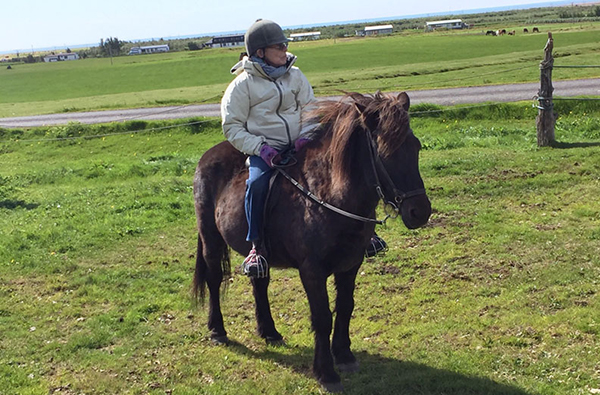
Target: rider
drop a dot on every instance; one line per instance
(261, 114)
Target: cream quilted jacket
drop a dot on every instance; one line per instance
(256, 109)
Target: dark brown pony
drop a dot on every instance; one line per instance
(363, 141)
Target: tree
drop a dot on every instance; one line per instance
(111, 46)
(192, 46)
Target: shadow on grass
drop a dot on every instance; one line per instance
(13, 204)
(558, 144)
(381, 375)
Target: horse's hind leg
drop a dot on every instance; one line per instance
(344, 305)
(212, 259)
(264, 320)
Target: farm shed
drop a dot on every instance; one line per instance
(60, 57)
(375, 30)
(305, 36)
(149, 49)
(231, 40)
(447, 24)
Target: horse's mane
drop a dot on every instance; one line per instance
(345, 122)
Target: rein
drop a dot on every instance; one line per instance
(377, 166)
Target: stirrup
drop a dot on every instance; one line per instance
(255, 265)
(377, 246)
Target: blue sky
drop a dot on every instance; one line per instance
(57, 24)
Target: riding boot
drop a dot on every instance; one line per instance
(376, 246)
(255, 265)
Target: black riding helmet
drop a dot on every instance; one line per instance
(262, 34)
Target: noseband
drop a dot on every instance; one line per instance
(391, 206)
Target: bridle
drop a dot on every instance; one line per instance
(391, 206)
(399, 196)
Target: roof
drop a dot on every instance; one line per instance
(305, 34)
(154, 46)
(380, 27)
(444, 22)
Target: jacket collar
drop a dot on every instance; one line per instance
(254, 68)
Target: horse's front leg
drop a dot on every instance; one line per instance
(315, 285)
(344, 305)
(264, 320)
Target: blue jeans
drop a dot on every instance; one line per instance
(257, 187)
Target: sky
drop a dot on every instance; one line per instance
(28, 25)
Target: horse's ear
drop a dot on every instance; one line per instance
(404, 100)
(360, 108)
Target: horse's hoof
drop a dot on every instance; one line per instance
(333, 387)
(351, 367)
(219, 340)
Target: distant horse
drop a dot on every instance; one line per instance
(536, 30)
(512, 33)
(490, 33)
(363, 152)
(525, 30)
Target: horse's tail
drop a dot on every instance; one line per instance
(202, 271)
(199, 283)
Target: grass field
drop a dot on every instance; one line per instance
(497, 295)
(399, 62)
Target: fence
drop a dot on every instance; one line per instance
(545, 119)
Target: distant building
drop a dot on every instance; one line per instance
(60, 57)
(305, 36)
(448, 24)
(231, 40)
(149, 49)
(375, 30)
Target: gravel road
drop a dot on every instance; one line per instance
(452, 96)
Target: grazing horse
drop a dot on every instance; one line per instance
(363, 151)
(490, 33)
(536, 30)
(525, 30)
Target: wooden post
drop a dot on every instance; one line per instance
(546, 119)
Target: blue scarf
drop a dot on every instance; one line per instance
(271, 71)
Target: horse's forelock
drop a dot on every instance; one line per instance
(393, 125)
(383, 114)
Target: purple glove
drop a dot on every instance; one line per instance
(300, 143)
(267, 153)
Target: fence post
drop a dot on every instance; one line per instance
(545, 118)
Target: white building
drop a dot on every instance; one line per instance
(375, 30)
(305, 36)
(149, 49)
(447, 24)
(60, 57)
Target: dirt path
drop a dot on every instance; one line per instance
(451, 96)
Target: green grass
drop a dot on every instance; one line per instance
(496, 295)
(399, 62)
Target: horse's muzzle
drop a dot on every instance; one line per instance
(416, 211)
